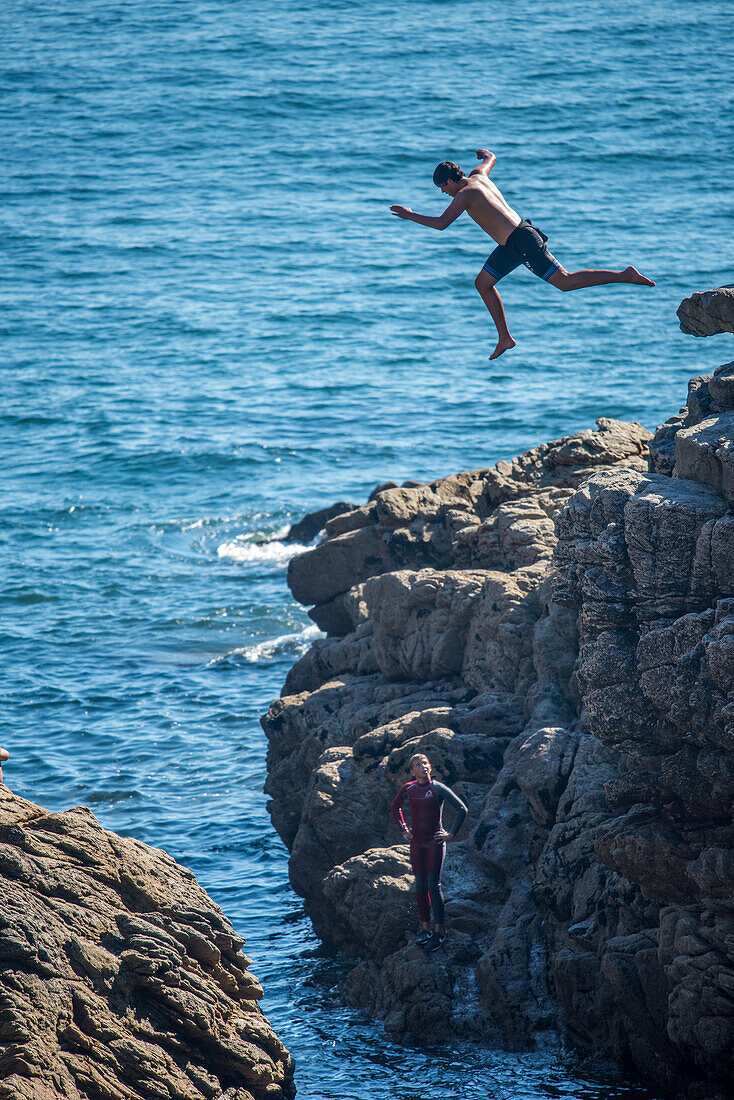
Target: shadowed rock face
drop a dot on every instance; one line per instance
(556, 634)
(120, 977)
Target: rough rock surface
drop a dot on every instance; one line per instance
(121, 979)
(708, 312)
(557, 633)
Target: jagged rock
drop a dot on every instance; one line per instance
(519, 532)
(721, 387)
(704, 453)
(708, 395)
(695, 951)
(372, 894)
(121, 978)
(421, 526)
(421, 621)
(707, 312)
(566, 463)
(499, 648)
(300, 728)
(336, 565)
(309, 527)
(557, 634)
(373, 897)
(328, 658)
(351, 520)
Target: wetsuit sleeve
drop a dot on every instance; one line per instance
(396, 808)
(461, 808)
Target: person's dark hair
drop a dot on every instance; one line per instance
(418, 756)
(447, 170)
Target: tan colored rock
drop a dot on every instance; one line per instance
(566, 463)
(312, 524)
(334, 566)
(518, 533)
(121, 978)
(421, 621)
(301, 727)
(373, 896)
(441, 525)
(399, 507)
(662, 524)
(708, 395)
(498, 653)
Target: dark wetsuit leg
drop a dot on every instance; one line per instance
(418, 864)
(434, 866)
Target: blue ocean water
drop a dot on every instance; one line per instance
(212, 324)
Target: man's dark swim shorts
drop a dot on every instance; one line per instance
(525, 245)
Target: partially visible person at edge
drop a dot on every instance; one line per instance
(519, 241)
(427, 838)
(4, 755)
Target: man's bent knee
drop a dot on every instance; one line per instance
(484, 281)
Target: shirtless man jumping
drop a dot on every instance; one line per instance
(519, 241)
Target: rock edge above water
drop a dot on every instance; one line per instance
(708, 312)
(121, 979)
(557, 633)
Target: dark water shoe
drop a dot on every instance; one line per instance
(438, 939)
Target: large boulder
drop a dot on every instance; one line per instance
(708, 312)
(121, 978)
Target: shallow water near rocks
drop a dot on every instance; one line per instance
(212, 324)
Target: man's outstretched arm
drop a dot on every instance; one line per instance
(456, 206)
(488, 162)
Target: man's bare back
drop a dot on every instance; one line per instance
(518, 241)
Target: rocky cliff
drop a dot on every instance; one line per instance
(557, 634)
(121, 980)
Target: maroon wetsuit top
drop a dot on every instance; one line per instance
(426, 807)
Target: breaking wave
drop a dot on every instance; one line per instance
(294, 645)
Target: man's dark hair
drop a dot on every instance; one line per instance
(447, 170)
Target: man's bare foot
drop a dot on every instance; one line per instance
(502, 345)
(634, 276)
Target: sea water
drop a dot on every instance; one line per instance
(211, 323)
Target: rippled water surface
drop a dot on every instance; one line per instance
(211, 324)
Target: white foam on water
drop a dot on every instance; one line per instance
(293, 644)
(273, 552)
(245, 549)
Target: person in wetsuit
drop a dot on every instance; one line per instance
(427, 837)
(518, 240)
